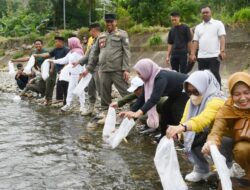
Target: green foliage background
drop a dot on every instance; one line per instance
(38, 17)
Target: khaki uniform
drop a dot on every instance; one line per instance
(113, 55)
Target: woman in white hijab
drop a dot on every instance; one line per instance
(200, 111)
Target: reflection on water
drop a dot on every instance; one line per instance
(42, 148)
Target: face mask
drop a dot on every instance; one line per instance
(196, 100)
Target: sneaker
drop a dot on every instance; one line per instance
(147, 131)
(66, 108)
(88, 111)
(101, 115)
(196, 177)
(142, 127)
(101, 121)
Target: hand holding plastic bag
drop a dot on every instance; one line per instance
(11, 68)
(116, 138)
(167, 166)
(45, 69)
(29, 65)
(82, 85)
(222, 169)
(109, 126)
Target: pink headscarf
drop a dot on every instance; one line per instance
(75, 45)
(148, 70)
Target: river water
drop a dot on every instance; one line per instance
(41, 148)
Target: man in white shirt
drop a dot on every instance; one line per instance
(209, 37)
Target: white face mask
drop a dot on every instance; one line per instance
(196, 100)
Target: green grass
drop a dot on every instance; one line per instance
(242, 16)
(18, 55)
(155, 40)
(140, 29)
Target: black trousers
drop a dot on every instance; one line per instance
(172, 111)
(61, 90)
(212, 64)
(179, 62)
(21, 83)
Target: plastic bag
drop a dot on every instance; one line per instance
(45, 69)
(167, 166)
(82, 85)
(237, 171)
(29, 65)
(222, 169)
(116, 138)
(64, 74)
(109, 126)
(16, 99)
(11, 68)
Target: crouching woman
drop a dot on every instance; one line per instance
(234, 118)
(200, 111)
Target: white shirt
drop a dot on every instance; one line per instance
(69, 59)
(207, 34)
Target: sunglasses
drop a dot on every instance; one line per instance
(192, 92)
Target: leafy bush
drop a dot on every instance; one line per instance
(243, 15)
(140, 29)
(124, 19)
(2, 52)
(189, 9)
(18, 55)
(155, 40)
(22, 23)
(82, 32)
(49, 39)
(67, 34)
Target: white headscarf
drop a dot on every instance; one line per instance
(207, 86)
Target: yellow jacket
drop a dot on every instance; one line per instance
(205, 118)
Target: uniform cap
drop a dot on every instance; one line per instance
(110, 16)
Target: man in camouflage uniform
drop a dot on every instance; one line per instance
(112, 50)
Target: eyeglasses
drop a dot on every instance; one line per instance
(192, 92)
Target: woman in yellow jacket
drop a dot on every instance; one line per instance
(234, 117)
(205, 100)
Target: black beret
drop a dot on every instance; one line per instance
(110, 16)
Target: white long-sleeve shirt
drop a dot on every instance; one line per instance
(69, 59)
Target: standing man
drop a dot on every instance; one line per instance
(179, 44)
(111, 49)
(209, 36)
(58, 52)
(94, 84)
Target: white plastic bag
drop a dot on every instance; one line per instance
(109, 126)
(167, 166)
(29, 65)
(45, 69)
(116, 138)
(64, 74)
(11, 68)
(222, 169)
(82, 85)
(16, 99)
